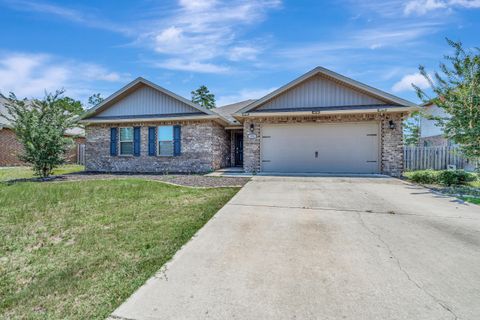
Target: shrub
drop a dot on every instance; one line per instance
(444, 177)
(455, 177)
(423, 176)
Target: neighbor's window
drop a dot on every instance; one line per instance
(126, 141)
(165, 141)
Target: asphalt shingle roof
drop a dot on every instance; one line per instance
(228, 110)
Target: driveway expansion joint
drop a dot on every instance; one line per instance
(402, 269)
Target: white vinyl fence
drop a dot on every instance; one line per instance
(81, 154)
(437, 158)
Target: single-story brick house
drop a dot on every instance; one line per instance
(319, 122)
(10, 147)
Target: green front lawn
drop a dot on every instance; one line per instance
(76, 250)
(26, 172)
(462, 188)
(471, 200)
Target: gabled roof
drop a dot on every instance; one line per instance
(228, 110)
(387, 97)
(132, 86)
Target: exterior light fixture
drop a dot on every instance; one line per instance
(391, 125)
(251, 127)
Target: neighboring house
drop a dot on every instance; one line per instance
(10, 147)
(431, 135)
(320, 122)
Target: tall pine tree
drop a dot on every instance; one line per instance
(203, 97)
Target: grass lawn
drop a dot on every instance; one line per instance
(469, 192)
(475, 184)
(472, 200)
(26, 172)
(76, 250)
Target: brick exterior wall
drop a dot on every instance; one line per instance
(205, 146)
(10, 148)
(220, 146)
(433, 141)
(391, 141)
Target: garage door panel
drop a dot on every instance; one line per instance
(336, 148)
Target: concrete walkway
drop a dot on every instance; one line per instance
(323, 248)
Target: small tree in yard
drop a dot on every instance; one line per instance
(203, 97)
(457, 92)
(40, 126)
(412, 130)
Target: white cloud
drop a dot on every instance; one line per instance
(71, 15)
(197, 32)
(197, 4)
(389, 35)
(405, 84)
(193, 66)
(243, 53)
(244, 94)
(30, 75)
(202, 31)
(422, 7)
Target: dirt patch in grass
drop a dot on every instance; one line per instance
(78, 250)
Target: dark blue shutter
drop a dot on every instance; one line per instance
(177, 140)
(152, 143)
(113, 141)
(136, 141)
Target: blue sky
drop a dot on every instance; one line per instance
(239, 49)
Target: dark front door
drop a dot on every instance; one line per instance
(239, 149)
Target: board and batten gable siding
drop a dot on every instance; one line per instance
(147, 101)
(320, 91)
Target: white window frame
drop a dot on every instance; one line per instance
(120, 141)
(158, 142)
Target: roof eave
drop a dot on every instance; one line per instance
(136, 120)
(241, 116)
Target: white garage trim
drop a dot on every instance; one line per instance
(341, 147)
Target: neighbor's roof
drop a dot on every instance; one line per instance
(132, 86)
(228, 110)
(5, 123)
(387, 97)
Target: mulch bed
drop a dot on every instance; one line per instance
(188, 180)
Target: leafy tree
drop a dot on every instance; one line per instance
(71, 105)
(95, 99)
(411, 133)
(203, 97)
(40, 126)
(457, 92)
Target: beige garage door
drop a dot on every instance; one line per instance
(335, 148)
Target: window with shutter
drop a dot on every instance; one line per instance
(126, 141)
(165, 141)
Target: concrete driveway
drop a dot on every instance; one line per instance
(324, 248)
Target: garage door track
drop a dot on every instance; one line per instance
(323, 248)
